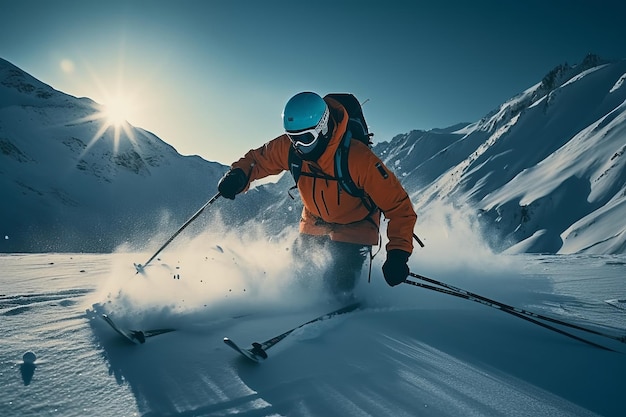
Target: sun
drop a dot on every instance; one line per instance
(117, 102)
(117, 110)
(113, 114)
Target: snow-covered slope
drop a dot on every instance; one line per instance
(544, 169)
(69, 184)
(409, 352)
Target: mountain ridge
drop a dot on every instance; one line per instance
(540, 172)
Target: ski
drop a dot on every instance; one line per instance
(258, 351)
(509, 310)
(502, 306)
(134, 336)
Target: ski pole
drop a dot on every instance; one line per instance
(497, 304)
(140, 267)
(509, 311)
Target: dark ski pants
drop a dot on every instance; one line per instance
(342, 266)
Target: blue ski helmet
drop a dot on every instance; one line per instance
(305, 119)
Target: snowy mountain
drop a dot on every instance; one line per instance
(69, 183)
(544, 172)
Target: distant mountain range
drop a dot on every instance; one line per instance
(545, 172)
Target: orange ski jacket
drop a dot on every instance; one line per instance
(328, 209)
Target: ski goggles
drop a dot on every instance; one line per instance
(304, 141)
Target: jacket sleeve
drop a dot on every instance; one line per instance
(384, 188)
(270, 159)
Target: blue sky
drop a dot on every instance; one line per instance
(211, 77)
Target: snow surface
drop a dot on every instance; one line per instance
(407, 352)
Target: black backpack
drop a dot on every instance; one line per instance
(356, 129)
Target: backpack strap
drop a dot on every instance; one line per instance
(341, 167)
(295, 167)
(295, 164)
(342, 172)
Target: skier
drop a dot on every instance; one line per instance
(345, 225)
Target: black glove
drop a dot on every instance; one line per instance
(232, 183)
(395, 268)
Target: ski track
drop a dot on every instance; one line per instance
(438, 357)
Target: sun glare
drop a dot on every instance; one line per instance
(114, 114)
(115, 107)
(117, 111)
